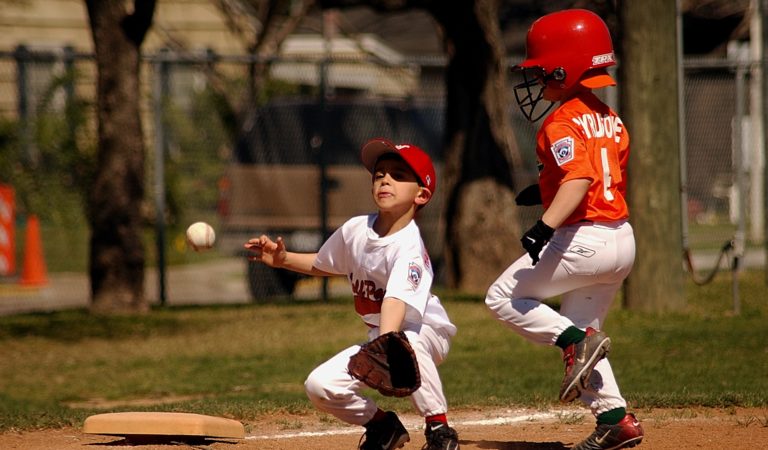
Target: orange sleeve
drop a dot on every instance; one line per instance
(563, 157)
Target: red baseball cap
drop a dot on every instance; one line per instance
(417, 159)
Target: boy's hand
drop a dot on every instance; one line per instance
(536, 238)
(267, 251)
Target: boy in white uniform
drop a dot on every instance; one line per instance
(387, 264)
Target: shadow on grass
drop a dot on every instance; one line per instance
(72, 326)
(78, 324)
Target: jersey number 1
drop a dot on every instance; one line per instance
(606, 174)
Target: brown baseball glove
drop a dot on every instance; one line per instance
(387, 364)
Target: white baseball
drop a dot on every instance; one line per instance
(200, 236)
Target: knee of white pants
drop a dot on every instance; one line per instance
(316, 389)
(494, 299)
(313, 388)
(321, 390)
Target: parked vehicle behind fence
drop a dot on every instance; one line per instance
(297, 175)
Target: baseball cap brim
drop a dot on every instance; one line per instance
(416, 158)
(372, 151)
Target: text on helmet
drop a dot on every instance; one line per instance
(605, 58)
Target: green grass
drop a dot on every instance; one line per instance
(247, 361)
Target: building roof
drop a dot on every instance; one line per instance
(363, 63)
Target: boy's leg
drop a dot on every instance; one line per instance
(333, 390)
(577, 257)
(431, 348)
(515, 297)
(588, 308)
(588, 288)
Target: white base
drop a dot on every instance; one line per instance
(163, 424)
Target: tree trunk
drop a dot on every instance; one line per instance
(115, 200)
(482, 230)
(650, 112)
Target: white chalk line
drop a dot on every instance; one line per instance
(526, 417)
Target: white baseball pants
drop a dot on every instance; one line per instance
(585, 263)
(334, 391)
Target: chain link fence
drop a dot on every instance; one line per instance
(271, 147)
(724, 162)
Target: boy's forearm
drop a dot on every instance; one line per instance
(392, 315)
(567, 199)
(303, 263)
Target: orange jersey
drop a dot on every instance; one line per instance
(584, 138)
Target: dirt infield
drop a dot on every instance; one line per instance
(668, 429)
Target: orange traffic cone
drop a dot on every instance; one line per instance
(33, 272)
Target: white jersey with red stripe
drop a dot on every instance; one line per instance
(396, 266)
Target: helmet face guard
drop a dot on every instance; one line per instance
(528, 97)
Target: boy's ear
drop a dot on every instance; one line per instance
(423, 197)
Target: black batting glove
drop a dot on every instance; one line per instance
(529, 196)
(535, 238)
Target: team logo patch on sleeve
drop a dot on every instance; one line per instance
(414, 274)
(562, 150)
(425, 257)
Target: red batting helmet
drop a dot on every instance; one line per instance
(562, 49)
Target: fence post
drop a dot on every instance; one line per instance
(322, 162)
(69, 90)
(159, 84)
(738, 174)
(763, 5)
(757, 134)
(681, 126)
(22, 57)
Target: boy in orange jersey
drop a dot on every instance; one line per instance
(582, 248)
